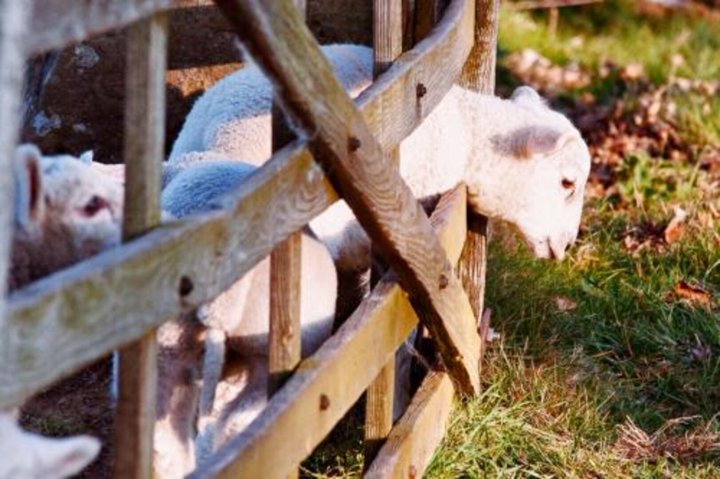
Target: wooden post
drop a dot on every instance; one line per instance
(284, 339)
(144, 139)
(479, 75)
(387, 46)
(285, 270)
(13, 22)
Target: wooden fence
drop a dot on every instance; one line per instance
(118, 298)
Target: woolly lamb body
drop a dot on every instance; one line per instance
(239, 317)
(522, 162)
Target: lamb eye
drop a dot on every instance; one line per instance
(94, 205)
(569, 186)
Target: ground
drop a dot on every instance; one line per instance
(608, 364)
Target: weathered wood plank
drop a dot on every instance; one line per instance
(417, 434)
(56, 23)
(384, 205)
(479, 75)
(479, 70)
(14, 17)
(379, 399)
(284, 336)
(327, 384)
(144, 140)
(112, 299)
(392, 106)
(387, 33)
(284, 339)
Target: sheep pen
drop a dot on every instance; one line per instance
(119, 298)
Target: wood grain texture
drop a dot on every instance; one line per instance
(419, 431)
(284, 336)
(284, 339)
(479, 75)
(391, 105)
(56, 23)
(387, 33)
(479, 71)
(328, 383)
(144, 140)
(472, 266)
(113, 298)
(14, 17)
(379, 399)
(351, 157)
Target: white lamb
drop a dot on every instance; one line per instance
(64, 211)
(522, 162)
(241, 316)
(30, 456)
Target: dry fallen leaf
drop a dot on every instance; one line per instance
(676, 227)
(564, 304)
(692, 294)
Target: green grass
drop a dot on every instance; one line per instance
(613, 31)
(560, 383)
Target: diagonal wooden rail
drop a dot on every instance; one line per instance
(328, 383)
(341, 141)
(113, 298)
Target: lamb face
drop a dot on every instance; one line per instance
(32, 456)
(530, 171)
(65, 211)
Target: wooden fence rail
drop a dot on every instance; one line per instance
(329, 382)
(118, 298)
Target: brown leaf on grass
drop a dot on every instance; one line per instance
(676, 227)
(632, 72)
(667, 442)
(693, 294)
(538, 71)
(564, 304)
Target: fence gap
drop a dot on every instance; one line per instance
(387, 46)
(144, 139)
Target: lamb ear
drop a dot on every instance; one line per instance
(527, 96)
(539, 140)
(67, 457)
(86, 157)
(29, 206)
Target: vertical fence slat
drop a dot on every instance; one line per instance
(284, 337)
(13, 22)
(285, 269)
(479, 75)
(144, 139)
(387, 46)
